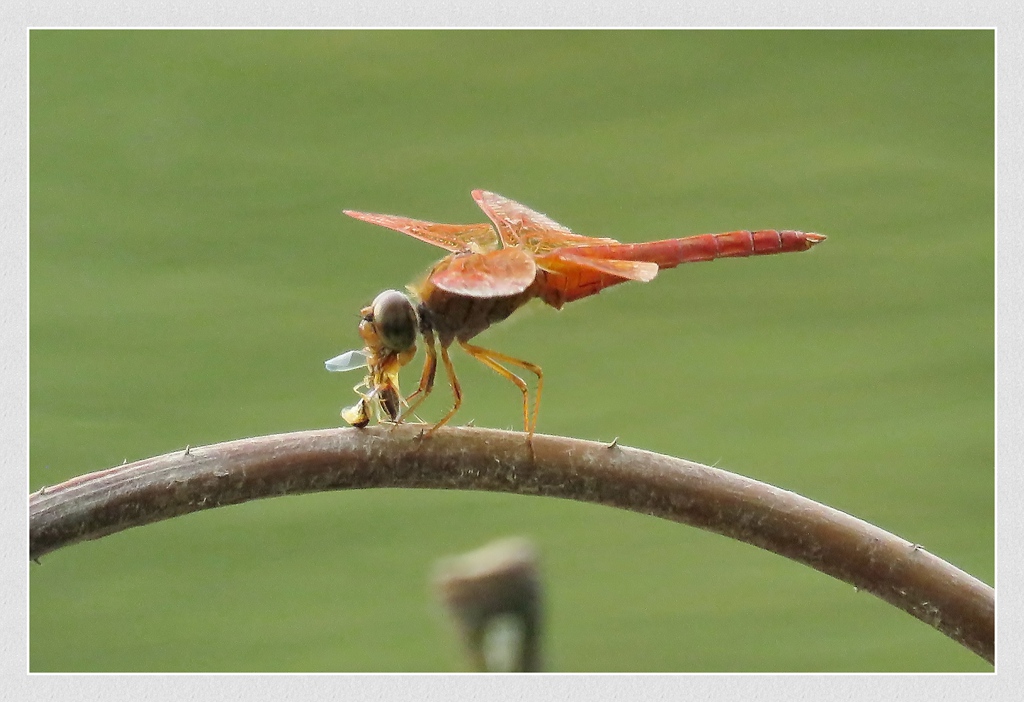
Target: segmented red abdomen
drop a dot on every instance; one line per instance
(705, 247)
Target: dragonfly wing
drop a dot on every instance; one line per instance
(494, 274)
(566, 260)
(476, 238)
(520, 226)
(350, 360)
(571, 276)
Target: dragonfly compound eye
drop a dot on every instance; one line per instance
(395, 320)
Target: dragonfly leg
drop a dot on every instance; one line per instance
(456, 390)
(490, 359)
(426, 379)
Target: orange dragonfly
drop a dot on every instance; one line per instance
(490, 274)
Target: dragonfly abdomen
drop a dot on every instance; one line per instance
(669, 253)
(707, 247)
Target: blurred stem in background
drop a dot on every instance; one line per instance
(493, 595)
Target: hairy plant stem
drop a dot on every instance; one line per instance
(462, 458)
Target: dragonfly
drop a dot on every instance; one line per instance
(489, 273)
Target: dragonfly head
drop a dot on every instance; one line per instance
(392, 319)
(388, 327)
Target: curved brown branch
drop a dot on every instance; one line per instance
(897, 571)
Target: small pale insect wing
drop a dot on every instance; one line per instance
(350, 360)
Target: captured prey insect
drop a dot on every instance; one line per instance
(487, 276)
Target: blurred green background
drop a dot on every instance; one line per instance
(191, 270)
